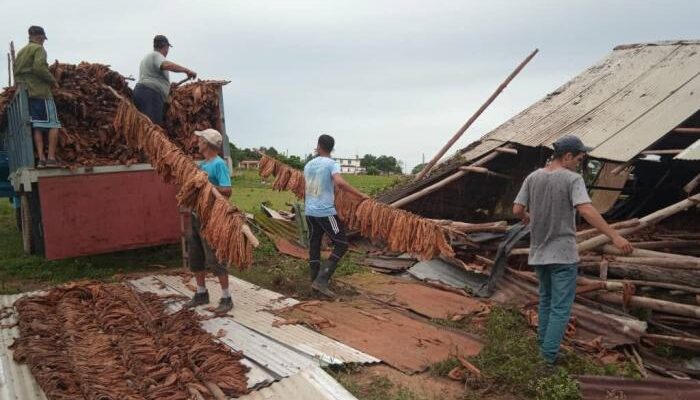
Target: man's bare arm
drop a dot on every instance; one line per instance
(171, 66)
(520, 212)
(343, 184)
(593, 217)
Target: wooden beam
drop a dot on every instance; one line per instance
(690, 186)
(677, 341)
(507, 150)
(663, 152)
(435, 186)
(687, 130)
(685, 310)
(645, 221)
(473, 118)
(485, 171)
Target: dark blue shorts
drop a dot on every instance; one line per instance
(150, 103)
(43, 113)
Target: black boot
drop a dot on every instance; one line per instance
(323, 279)
(314, 267)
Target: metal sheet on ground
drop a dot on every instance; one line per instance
(414, 296)
(438, 270)
(251, 303)
(400, 341)
(310, 384)
(608, 387)
(16, 380)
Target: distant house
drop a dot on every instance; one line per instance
(249, 164)
(350, 165)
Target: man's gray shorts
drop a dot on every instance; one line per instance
(201, 255)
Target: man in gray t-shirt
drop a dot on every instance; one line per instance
(548, 200)
(153, 87)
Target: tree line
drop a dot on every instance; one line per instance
(373, 165)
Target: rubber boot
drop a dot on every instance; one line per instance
(314, 268)
(322, 281)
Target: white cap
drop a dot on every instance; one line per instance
(211, 135)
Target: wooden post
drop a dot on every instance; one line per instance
(473, 118)
(9, 70)
(610, 249)
(435, 186)
(669, 307)
(650, 219)
(663, 152)
(689, 343)
(585, 234)
(647, 273)
(690, 186)
(485, 171)
(687, 130)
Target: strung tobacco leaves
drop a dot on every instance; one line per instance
(401, 230)
(108, 341)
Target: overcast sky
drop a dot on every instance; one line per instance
(382, 77)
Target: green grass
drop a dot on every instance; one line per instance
(375, 388)
(249, 190)
(442, 368)
(20, 272)
(510, 358)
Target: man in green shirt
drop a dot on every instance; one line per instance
(32, 71)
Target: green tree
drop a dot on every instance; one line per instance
(418, 168)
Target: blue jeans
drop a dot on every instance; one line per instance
(557, 293)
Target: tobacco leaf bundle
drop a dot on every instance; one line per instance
(401, 230)
(108, 341)
(286, 177)
(193, 107)
(222, 223)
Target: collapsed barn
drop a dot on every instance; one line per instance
(639, 109)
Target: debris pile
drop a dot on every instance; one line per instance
(86, 108)
(401, 230)
(108, 341)
(223, 225)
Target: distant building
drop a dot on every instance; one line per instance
(249, 164)
(350, 165)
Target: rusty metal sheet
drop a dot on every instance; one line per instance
(614, 330)
(608, 387)
(389, 264)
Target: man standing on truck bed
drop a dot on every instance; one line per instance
(549, 199)
(153, 87)
(201, 254)
(32, 71)
(322, 175)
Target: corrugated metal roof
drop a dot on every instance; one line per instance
(619, 106)
(692, 153)
(16, 380)
(250, 304)
(608, 387)
(310, 384)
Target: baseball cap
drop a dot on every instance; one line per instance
(210, 135)
(160, 40)
(570, 143)
(37, 30)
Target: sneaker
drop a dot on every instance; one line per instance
(51, 163)
(198, 299)
(225, 305)
(41, 164)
